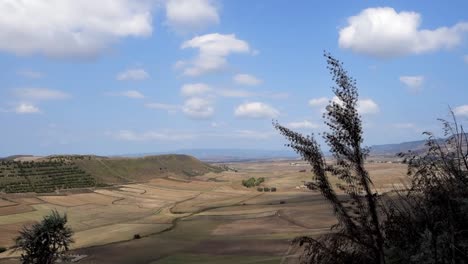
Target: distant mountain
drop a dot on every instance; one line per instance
(393, 149)
(228, 155)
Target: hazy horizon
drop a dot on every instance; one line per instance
(144, 77)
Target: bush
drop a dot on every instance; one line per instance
(3, 249)
(260, 189)
(252, 182)
(266, 189)
(136, 236)
(273, 189)
(45, 242)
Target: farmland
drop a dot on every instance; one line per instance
(200, 218)
(54, 173)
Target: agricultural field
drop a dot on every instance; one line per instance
(208, 218)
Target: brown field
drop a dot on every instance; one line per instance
(210, 219)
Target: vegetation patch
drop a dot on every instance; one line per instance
(252, 182)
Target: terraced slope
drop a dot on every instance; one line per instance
(42, 176)
(73, 171)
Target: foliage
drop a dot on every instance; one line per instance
(273, 189)
(425, 223)
(44, 242)
(2, 249)
(433, 213)
(252, 182)
(357, 238)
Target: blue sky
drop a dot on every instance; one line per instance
(121, 76)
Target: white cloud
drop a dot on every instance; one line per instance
(58, 28)
(194, 89)
(256, 110)
(367, 106)
(133, 75)
(235, 93)
(26, 108)
(318, 102)
(129, 135)
(302, 125)
(413, 82)
(198, 108)
(190, 15)
(40, 94)
(30, 74)
(383, 32)
(461, 110)
(213, 50)
(364, 106)
(133, 94)
(170, 108)
(246, 79)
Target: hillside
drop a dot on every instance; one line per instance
(75, 171)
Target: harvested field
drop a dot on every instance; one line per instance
(188, 221)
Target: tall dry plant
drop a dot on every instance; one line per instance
(357, 237)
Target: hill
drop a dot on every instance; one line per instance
(394, 149)
(77, 171)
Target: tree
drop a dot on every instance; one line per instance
(45, 242)
(357, 237)
(429, 221)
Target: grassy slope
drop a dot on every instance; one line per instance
(121, 170)
(64, 172)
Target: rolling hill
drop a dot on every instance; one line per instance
(52, 173)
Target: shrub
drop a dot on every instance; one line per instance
(260, 189)
(136, 236)
(44, 242)
(266, 189)
(273, 189)
(3, 249)
(252, 182)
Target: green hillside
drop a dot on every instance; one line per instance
(77, 171)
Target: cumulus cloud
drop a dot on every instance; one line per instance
(30, 74)
(212, 52)
(384, 32)
(58, 28)
(129, 135)
(26, 108)
(198, 108)
(133, 75)
(318, 102)
(256, 110)
(195, 89)
(302, 125)
(247, 79)
(367, 106)
(364, 106)
(40, 94)
(413, 82)
(190, 15)
(461, 110)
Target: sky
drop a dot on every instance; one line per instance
(138, 76)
